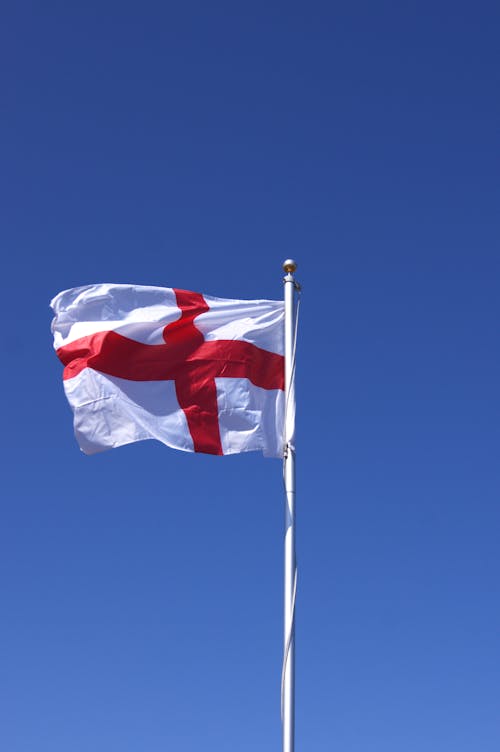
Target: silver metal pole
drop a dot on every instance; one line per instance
(288, 684)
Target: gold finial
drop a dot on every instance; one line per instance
(289, 266)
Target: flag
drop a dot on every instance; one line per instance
(195, 372)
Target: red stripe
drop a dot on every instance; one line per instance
(197, 395)
(116, 355)
(182, 334)
(185, 358)
(194, 384)
(236, 359)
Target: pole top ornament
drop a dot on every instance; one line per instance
(289, 266)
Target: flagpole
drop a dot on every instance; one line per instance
(290, 572)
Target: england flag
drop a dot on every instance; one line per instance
(198, 373)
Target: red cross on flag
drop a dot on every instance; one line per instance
(195, 372)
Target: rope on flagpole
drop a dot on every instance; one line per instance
(288, 643)
(298, 290)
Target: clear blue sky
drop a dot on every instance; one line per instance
(197, 145)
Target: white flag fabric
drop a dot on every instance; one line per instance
(195, 372)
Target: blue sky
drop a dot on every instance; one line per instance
(197, 145)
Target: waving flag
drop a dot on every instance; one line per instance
(195, 372)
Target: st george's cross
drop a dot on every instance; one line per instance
(198, 373)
